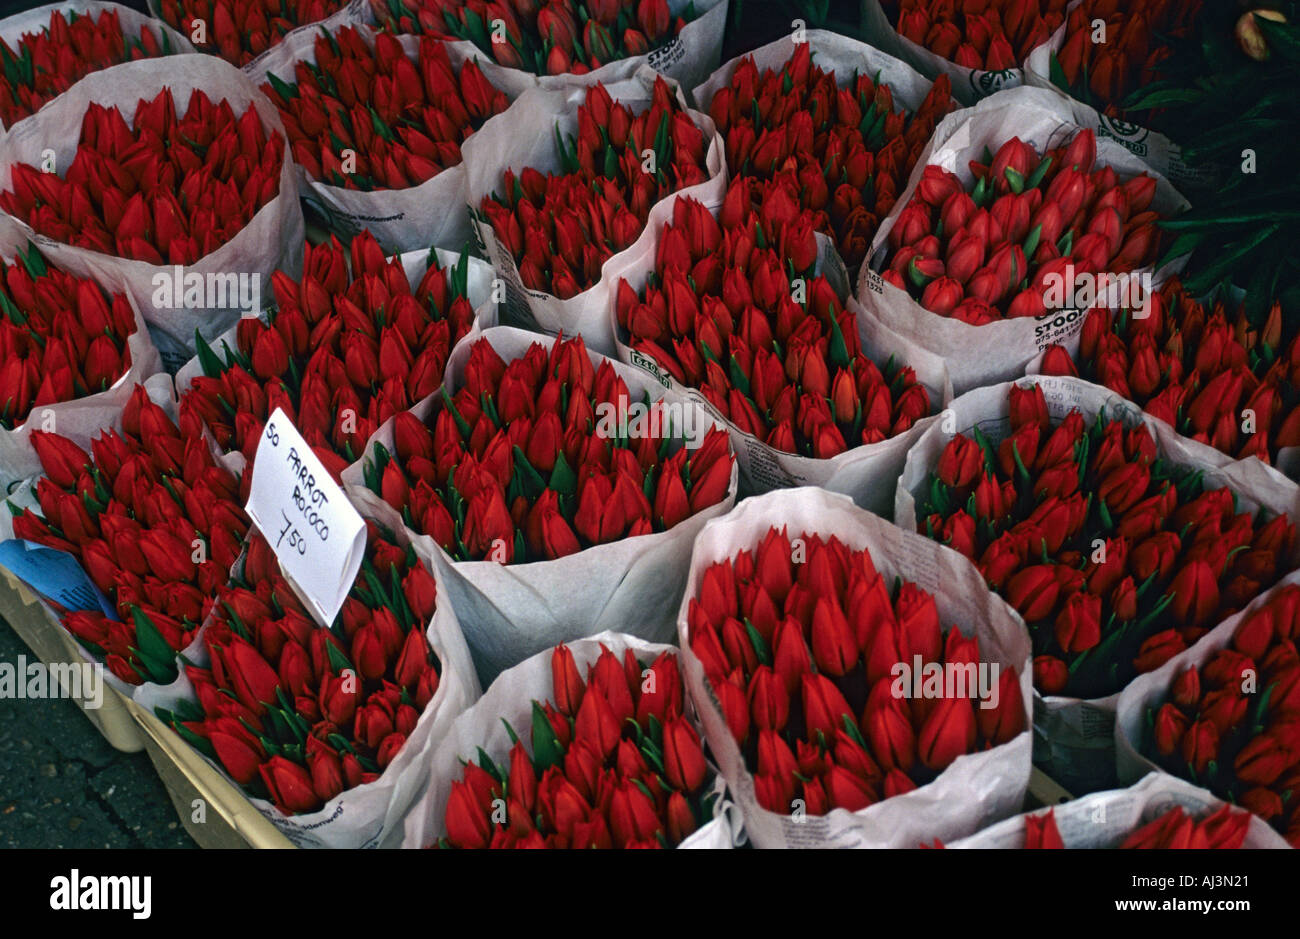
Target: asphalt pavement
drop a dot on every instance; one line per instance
(63, 786)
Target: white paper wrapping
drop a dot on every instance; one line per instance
(272, 239)
(513, 611)
(995, 352)
(1105, 819)
(1074, 738)
(510, 699)
(978, 788)
(527, 139)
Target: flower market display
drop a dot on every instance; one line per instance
(716, 297)
(619, 424)
(137, 511)
(802, 662)
(62, 338)
(849, 150)
(517, 464)
(300, 714)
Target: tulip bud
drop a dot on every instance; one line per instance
(1051, 675)
(289, 785)
(683, 756)
(1250, 38)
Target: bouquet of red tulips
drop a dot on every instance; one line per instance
(587, 213)
(241, 30)
(1211, 374)
(376, 123)
(1136, 818)
(1226, 714)
(165, 188)
(992, 35)
(571, 184)
(541, 455)
(310, 718)
(1103, 63)
(404, 119)
(570, 37)
(1117, 559)
(981, 44)
(62, 337)
(70, 351)
(153, 520)
(1016, 242)
(992, 252)
(849, 149)
(45, 53)
(735, 308)
(531, 460)
(832, 683)
(172, 177)
(358, 338)
(609, 760)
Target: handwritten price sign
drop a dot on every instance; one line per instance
(315, 532)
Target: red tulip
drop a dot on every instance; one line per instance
(824, 706)
(1170, 727)
(290, 786)
(1051, 675)
(683, 757)
(1195, 594)
(1033, 592)
(1041, 832)
(1078, 625)
(465, 820)
(947, 733)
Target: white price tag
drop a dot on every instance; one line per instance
(315, 532)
